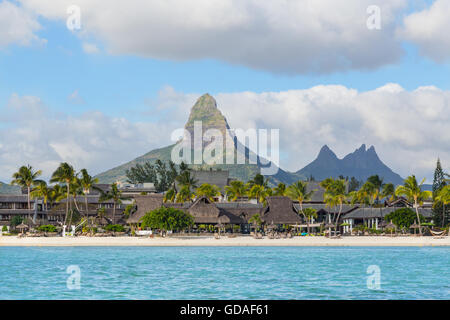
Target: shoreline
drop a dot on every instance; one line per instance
(242, 241)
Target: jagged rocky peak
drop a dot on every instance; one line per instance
(206, 111)
(325, 151)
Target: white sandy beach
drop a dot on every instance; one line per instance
(244, 241)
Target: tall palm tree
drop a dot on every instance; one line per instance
(42, 191)
(298, 191)
(208, 190)
(64, 174)
(26, 177)
(87, 182)
(113, 194)
(335, 196)
(236, 190)
(413, 192)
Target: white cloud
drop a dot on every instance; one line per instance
(428, 30)
(17, 26)
(34, 134)
(278, 36)
(408, 128)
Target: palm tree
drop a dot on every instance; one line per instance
(26, 177)
(87, 182)
(413, 192)
(113, 194)
(236, 190)
(256, 221)
(42, 191)
(64, 174)
(208, 190)
(335, 195)
(184, 195)
(298, 191)
(388, 191)
(186, 180)
(369, 191)
(310, 213)
(378, 184)
(280, 190)
(260, 193)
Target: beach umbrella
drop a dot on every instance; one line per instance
(22, 227)
(390, 226)
(414, 226)
(383, 224)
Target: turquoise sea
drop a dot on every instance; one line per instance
(224, 273)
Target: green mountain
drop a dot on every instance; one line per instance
(206, 111)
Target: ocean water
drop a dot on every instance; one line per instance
(224, 273)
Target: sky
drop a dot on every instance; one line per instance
(114, 87)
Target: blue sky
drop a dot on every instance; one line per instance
(125, 78)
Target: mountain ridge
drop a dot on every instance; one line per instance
(360, 164)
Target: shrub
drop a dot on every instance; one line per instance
(15, 221)
(47, 228)
(403, 218)
(4, 229)
(167, 219)
(115, 228)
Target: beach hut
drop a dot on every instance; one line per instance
(414, 226)
(22, 227)
(391, 226)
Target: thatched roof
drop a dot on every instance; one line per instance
(205, 211)
(280, 210)
(22, 226)
(144, 204)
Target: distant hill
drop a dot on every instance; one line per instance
(205, 110)
(360, 164)
(8, 189)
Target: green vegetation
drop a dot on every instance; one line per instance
(165, 219)
(403, 218)
(115, 228)
(15, 221)
(298, 191)
(207, 190)
(47, 228)
(414, 193)
(335, 196)
(26, 177)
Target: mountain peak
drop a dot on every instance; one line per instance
(206, 111)
(325, 151)
(362, 148)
